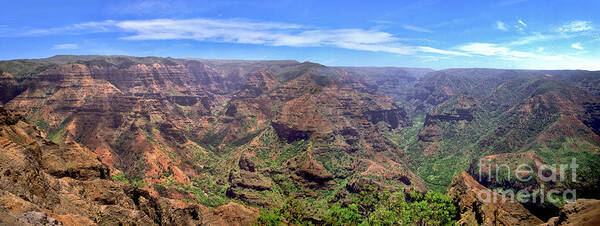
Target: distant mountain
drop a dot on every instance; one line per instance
(259, 132)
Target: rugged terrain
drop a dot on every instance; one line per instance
(209, 132)
(44, 183)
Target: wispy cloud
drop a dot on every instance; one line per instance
(577, 46)
(427, 49)
(501, 26)
(65, 46)
(250, 32)
(530, 60)
(382, 21)
(576, 26)
(535, 37)
(491, 49)
(522, 23)
(416, 28)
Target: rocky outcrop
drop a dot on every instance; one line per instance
(580, 212)
(312, 170)
(231, 214)
(430, 134)
(394, 117)
(45, 183)
(289, 133)
(28, 218)
(247, 186)
(456, 109)
(459, 115)
(249, 180)
(245, 163)
(10, 87)
(481, 206)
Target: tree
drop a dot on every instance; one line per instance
(340, 216)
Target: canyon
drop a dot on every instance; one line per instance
(150, 140)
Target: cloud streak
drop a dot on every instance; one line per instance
(416, 28)
(577, 46)
(576, 26)
(251, 32)
(491, 49)
(65, 46)
(522, 23)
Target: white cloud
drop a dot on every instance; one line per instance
(427, 49)
(490, 49)
(265, 33)
(576, 26)
(563, 62)
(486, 49)
(250, 32)
(65, 46)
(501, 26)
(382, 21)
(522, 23)
(528, 60)
(577, 46)
(536, 37)
(416, 28)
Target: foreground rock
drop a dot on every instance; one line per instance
(581, 212)
(481, 206)
(42, 183)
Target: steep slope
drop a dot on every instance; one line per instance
(46, 183)
(481, 206)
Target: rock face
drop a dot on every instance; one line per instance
(43, 183)
(9, 86)
(481, 206)
(580, 212)
(312, 170)
(394, 117)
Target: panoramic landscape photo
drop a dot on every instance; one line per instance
(148, 112)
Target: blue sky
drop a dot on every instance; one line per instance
(550, 34)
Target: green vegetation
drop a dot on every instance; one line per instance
(208, 192)
(246, 138)
(212, 140)
(25, 68)
(565, 151)
(42, 125)
(57, 134)
(370, 207)
(285, 152)
(137, 182)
